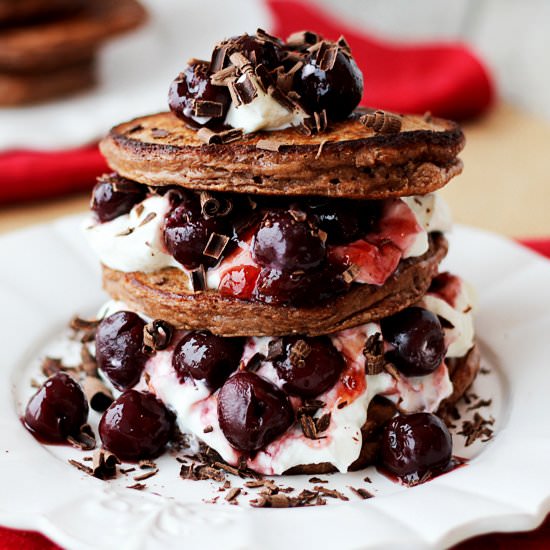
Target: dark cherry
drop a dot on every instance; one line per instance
(289, 241)
(119, 348)
(300, 289)
(417, 340)
(136, 426)
(194, 84)
(57, 410)
(309, 366)
(186, 233)
(114, 196)
(415, 444)
(337, 90)
(205, 356)
(252, 411)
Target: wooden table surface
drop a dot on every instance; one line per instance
(505, 186)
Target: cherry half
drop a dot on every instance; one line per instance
(119, 348)
(114, 196)
(57, 410)
(414, 445)
(309, 366)
(252, 411)
(417, 340)
(136, 426)
(205, 356)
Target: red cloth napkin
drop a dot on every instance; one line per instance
(447, 80)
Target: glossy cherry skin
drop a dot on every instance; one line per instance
(136, 426)
(252, 411)
(415, 444)
(119, 348)
(194, 84)
(300, 289)
(186, 233)
(288, 241)
(114, 196)
(57, 410)
(205, 356)
(417, 340)
(316, 373)
(337, 90)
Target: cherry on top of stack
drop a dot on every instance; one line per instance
(265, 187)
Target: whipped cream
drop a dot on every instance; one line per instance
(262, 113)
(134, 241)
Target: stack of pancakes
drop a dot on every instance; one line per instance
(385, 161)
(48, 48)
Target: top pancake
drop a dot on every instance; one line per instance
(51, 43)
(17, 11)
(349, 160)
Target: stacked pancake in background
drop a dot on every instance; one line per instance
(272, 255)
(48, 48)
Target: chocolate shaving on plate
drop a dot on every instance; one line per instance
(233, 494)
(216, 245)
(137, 486)
(477, 428)
(332, 493)
(104, 464)
(361, 493)
(147, 464)
(51, 365)
(146, 475)
(317, 480)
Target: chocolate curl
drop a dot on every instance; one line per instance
(212, 206)
(97, 394)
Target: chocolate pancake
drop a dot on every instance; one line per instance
(20, 89)
(164, 295)
(462, 374)
(68, 39)
(348, 160)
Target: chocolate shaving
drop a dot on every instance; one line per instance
(318, 480)
(159, 132)
(344, 46)
(266, 37)
(216, 245)
(326, 55)
(104, 464)
(332, 493)
(78, 324)
(205, 108)
(275, 349)
(308, 427)
(320, 149)
(227, 468)
(310, 407)
(254, 484)
(315, 124)
(146, 475)
(302, 38)
(391, 370)
(298, 352)
(270, 145)
(147, 464)
(280, 500)
(151, 216)
(245, 89)
(137, 486)
(477, 428)
(157, 335)
(97, 394)
(360, 492)
(218, 57)
(208, 429)
(88, 361)
(342, 404)
(51, 365)
(224, 76)
(382, 122)
(201, 472)
(125, 232)
(85, 440)
(481, 403)
(227, 136)
(374, 354)
(198, 279)
(322, 423)
(233, 494)
(351, 273)
(80, 466)
(240, 61)
(212, 205)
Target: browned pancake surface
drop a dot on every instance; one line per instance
(67, 40)
(164, 295)
(348, 160)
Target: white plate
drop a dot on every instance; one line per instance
(134, 74)
(48, 274)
